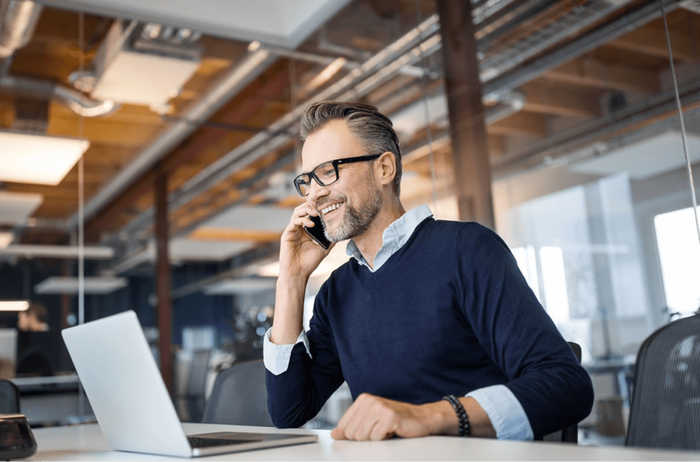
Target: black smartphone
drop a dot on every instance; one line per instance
(316, 232)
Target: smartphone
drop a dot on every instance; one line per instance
(316, 232)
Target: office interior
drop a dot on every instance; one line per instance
(147, 151)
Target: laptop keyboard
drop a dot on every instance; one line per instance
(196, 442)
(207, 440)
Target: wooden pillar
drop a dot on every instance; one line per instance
(164, 303)
(470, 155)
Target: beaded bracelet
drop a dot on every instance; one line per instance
(464, 428)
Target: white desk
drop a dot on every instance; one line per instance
(85, 442)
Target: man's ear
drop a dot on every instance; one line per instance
(386, 168)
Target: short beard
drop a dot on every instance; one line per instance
(356, 222)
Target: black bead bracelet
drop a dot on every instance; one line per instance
(464, 428)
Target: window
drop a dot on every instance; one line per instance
(679, 252)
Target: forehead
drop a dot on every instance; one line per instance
(333, 140)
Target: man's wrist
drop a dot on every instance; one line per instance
(441, 418)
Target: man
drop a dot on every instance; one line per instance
(430, 322)
(33, 319)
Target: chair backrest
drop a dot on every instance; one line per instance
(665, 409)
(239, 396)
(9, 397)
(570, 433)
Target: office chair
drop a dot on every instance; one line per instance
(665, 409)
(239, 396)
(9, 397)
(195, 394)
(570, 433)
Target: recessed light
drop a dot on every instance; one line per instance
(38, 159)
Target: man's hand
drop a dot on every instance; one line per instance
(374, 418)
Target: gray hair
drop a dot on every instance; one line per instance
(366, 122)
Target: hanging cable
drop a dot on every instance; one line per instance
(681, 117)
(81, 216)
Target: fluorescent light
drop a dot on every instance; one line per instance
(37, 158)
(16, 208)
(69, 285)
(58, 251)
(14, 305)
(240, 286)
(5, 239)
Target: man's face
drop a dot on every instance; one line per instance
(349, 205)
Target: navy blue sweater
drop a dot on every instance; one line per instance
(448, 313)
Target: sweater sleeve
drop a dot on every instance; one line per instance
(519, 336)
(296, 395)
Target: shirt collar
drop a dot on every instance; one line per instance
(393, 238)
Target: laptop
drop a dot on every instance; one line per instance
(131, 403)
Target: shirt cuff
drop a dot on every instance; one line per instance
(276, 357)
(505, 411)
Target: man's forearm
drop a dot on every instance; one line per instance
(289, 310)
(446, 423)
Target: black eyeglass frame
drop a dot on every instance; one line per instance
(335, 162)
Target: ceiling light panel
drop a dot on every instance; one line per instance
(16, 208)
(14, 305)
(69, 285)
(38, 159)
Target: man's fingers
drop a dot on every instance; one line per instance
(382, 431)
(338, 434)
(340, 428)
(303, 222)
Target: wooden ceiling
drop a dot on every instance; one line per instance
(570, 94)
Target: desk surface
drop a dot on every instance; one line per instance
(85, 442)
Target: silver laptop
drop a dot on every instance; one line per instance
(131, 403)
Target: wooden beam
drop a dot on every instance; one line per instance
(226, 234)
(470, 154)
(561, 100)
(521, 123)
(592, 73)
(126, 127)
(651, 41)
(497, 145)
(164, 308)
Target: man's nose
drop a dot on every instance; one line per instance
(316, 191)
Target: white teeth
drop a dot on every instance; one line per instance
(330, 208)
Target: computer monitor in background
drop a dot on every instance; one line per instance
(42, 354)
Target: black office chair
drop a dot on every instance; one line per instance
(239, 396)
(665, 409)
(9, 397)
(570, 433)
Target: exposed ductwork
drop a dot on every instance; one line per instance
(18, 19)
(415, 45)
(76, 101)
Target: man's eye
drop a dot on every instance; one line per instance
(327, 172)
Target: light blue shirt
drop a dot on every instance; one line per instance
(500, 404)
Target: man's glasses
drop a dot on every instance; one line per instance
(326, 173)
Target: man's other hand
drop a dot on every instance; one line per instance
(375, 418)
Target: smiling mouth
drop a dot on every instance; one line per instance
(330, 208)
